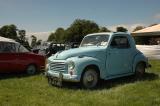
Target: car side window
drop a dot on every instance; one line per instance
(120, 42)
(7, 47)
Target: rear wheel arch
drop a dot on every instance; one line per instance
(139, 57)
(145, 64)
(140, 68)
(34, 65)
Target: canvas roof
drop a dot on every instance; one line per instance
(3, 39)
(153, 30)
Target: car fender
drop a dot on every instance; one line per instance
(139, 58)
(82, 62)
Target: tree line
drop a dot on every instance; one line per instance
(12, 32)
(74, 33)
(77, 30)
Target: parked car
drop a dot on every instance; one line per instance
(41, 49)
(71, 45)
(16, 58)
(35, 50)
(100, 56)
(54, 48)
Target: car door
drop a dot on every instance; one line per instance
(21, 57)
(119, 56)
(4, 66)
(7, 57)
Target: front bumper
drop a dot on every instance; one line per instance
(62, 76)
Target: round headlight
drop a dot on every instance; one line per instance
(71, 65)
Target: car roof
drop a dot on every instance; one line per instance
(3, 39)
(107, 33)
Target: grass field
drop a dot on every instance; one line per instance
(34, 90)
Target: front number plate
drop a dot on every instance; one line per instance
(57, 81)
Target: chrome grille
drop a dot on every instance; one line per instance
(58, 66)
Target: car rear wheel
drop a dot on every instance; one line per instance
(31, 69)
(140, 69)
(89, 78)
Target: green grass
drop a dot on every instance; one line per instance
(128, 91)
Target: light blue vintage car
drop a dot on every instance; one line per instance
(99, 56)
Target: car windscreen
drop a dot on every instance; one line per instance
(95, 40)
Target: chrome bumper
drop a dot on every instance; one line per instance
(62, 76)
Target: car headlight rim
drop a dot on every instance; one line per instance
(71, 65)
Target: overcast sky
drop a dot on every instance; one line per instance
(48, 15)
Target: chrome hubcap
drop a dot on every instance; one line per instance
(31, 70)
(90, 78)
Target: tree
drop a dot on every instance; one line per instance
(138, 28)
(22, 34)
(58, 36)
(153, 24)
(51, 37)
(104, 29)
(79, 28)
(9, 31)
(121, 29)
(39, 42)
(22, 39)
(34, 40)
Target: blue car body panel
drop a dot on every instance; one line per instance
(110, 62)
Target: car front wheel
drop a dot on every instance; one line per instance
(89, 78)
(31, 69)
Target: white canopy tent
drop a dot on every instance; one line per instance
(148, 36)
(3, 39)
(149, 31)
